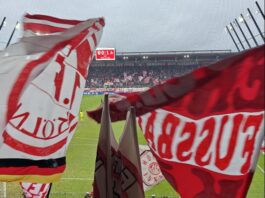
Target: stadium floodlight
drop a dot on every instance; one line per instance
(231, 36)
(18, 26)
(257, 12)
(242, 32)
(241, 20)
(238, 38)
(248, 15)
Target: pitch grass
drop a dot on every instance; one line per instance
(78, 176)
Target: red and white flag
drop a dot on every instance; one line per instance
(205, 127)
(151, 172)
(128, 151)
(106, 177)
(35, 190)
(42, 78)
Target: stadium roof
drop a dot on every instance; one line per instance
(149, 25)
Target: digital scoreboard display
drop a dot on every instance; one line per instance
(105, 54)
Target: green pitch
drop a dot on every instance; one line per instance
(78, 176)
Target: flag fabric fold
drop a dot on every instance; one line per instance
(206, 127)
(106, 177)
(118, 168)
(42, 78)
(128, 151)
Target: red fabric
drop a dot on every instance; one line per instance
(34, 170)
(205, 128)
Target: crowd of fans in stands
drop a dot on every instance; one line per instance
(139, 76)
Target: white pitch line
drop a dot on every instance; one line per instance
(261, 169)
(76, 144)
(85, 138)
(76, 178)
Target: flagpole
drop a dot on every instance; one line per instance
(3, 22)
(12, 34)
(108, 155)
(48, 194)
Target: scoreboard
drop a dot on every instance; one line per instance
(105, 54)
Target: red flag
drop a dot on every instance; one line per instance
(42, 78)
(206, 127)
(35, 190)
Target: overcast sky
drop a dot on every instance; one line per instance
(143, 25)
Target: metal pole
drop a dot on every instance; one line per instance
(12, 34)
(260, 10)
(232, 38)
(242, 33)
(3, 22)
(237, 36)
(257, 26)
(249, 30)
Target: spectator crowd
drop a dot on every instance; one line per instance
(133, 76)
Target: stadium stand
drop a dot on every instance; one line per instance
(137, 69)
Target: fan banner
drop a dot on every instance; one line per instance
(206, 127)
(42, 78)
(35, 190)
(151, 172)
